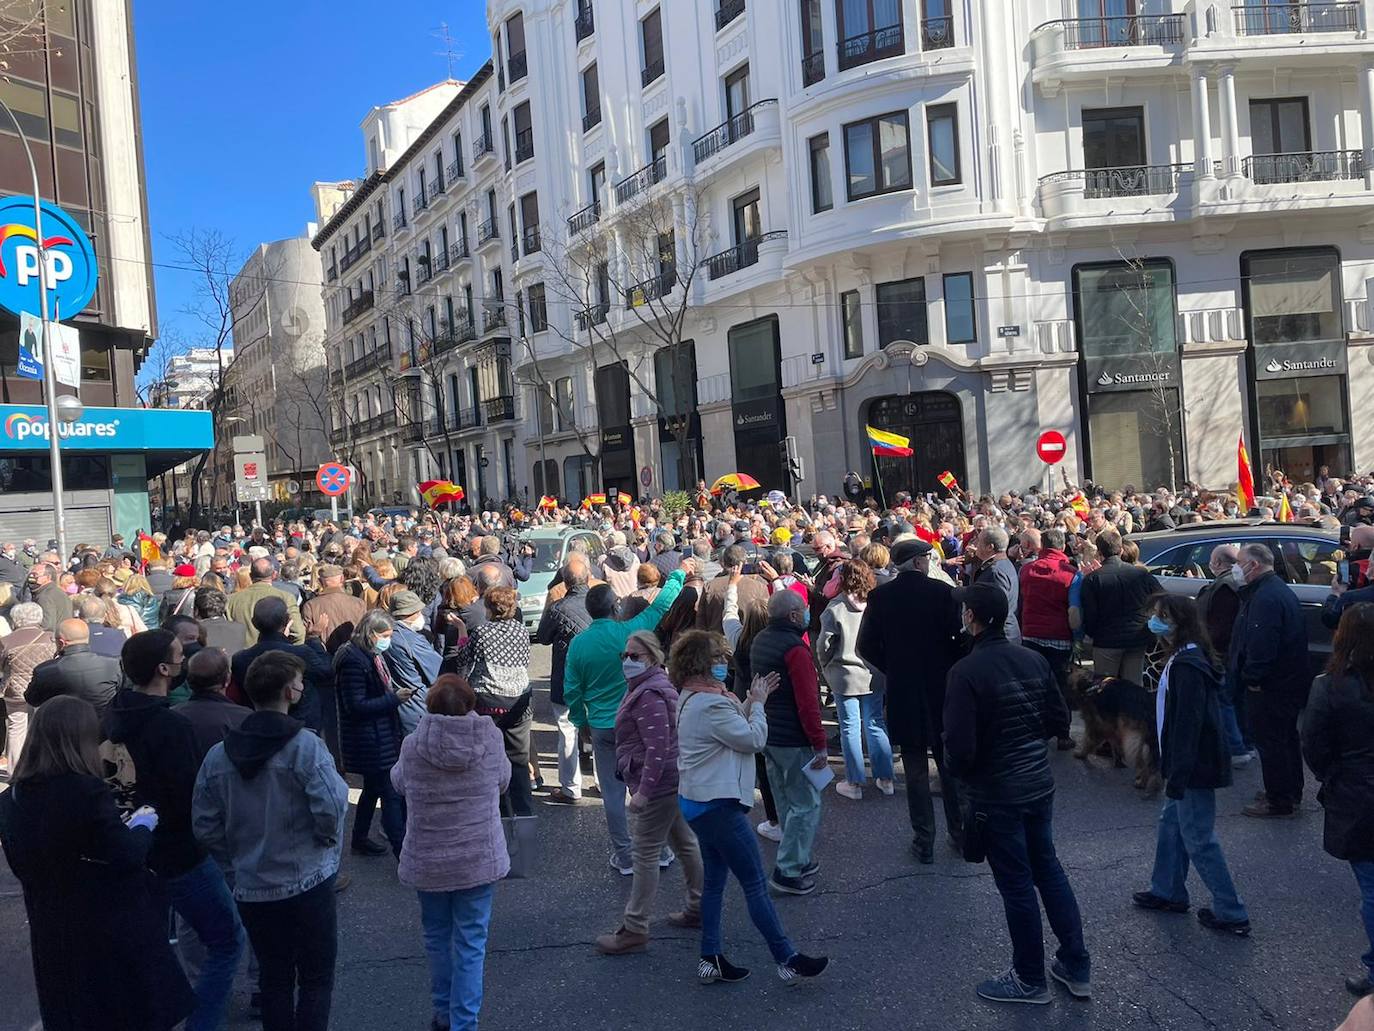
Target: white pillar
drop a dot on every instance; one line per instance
(1367, 115)
(1202, 128)
(1230, 123)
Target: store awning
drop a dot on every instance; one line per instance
(165, 437)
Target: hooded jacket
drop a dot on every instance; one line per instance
(288, 804)
(162, 764)
(452, 772)
(837, 648)
(646, 736)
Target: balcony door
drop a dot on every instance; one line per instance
(1114, 152)
(1103, 23)
(1280, 140)
(748, 223)
(736, 93)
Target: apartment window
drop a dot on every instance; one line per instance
(737, 92)
(852, 315)
(877, 154)
(822, 198)
(961, 324)
(468, 304)
(812, 43)
(1294, 296)
(597, 181)
(942, 136)
(520, 312)
(1113, 137)
(659, 138)
(529, 219)
(902, 312)
(651, 39)
(563, 401)
(491, 207)
(457, 155)
(505, 141)
(432, 322)
(584, 22)
(524, 133)
(498, 285)
(1279, 129)
(747, 220)
(869, 30)
(538, 308)
(514, 233)
(401, 206)
(591, 97)
(439, 169)
(450, 317)
(486, 124)
(515, 48)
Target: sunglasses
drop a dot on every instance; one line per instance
(634, 655)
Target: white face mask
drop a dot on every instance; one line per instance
(1238, 575)
(632, 668)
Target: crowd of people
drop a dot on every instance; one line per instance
(182, 715)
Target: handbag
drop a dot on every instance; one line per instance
(522, 842)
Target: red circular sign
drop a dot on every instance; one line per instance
(1051, 447)
(332, 479)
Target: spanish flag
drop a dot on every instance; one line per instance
(1080, 506)
(888, 445)
(1285, 514)
(593, 499)
(1245, 479)
(548, 503)
(623, 498)
(948, 481)
(436, 492)
(147, 548)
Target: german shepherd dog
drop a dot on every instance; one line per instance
(1118, 717)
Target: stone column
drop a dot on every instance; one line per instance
(1230, 123)
(1202, 128)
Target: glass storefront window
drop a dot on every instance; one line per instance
(754, 373)
(1126, 309)
(34, 473)
(1133, 435)
(1301, 406)
(1293, 296)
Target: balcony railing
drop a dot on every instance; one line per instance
(378, 231)
(530, 240)
(637, 182)
(591, 119)
(363, 302)
(518, 66)
(354, 254)
(458, 251)
(423, 271)
(499, 409)
(1138, 30)
(441, 260)
(584, 24)
(373, 359)
(742, 255)
(398, 220)
(937, 32)
(420, 202)
(1276, 19)
(403, 286)
(585, 219)
(483, 147)
(436, 190)
(1125, 181)
(1311, 167)
(813, 68)
(494, 319)
(454, 171)
(524, 145)
(871, 46)
(591, 316)
(652, 73)
(333, 273)
(728, 132)
(727, 12)
(488, 231)
(656, 286)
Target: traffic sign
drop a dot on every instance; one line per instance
(69, 265)
(1051, 447)
(332, 479)
(250, 477)
(646, 475)
(293, 487)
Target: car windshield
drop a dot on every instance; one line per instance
(548, 554)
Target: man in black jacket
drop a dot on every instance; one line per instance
(77, 670)
(910, 634)
(1268, 661)
(47, 593)
(271, 619)
(156, 746)
(1001, 704)
(104, 640)
(560, 623)
(1115, 596)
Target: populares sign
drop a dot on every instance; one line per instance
(25, 428)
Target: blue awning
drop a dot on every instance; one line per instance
(174, 432)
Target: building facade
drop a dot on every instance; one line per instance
(1148, 224)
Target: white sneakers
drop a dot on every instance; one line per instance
(848, 790)
(769, 830)
(885, 786)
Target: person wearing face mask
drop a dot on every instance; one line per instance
(646, 760)
(1219, 603)
(11, 570)
(1194, 762)
(1268, 661)
(411, 659)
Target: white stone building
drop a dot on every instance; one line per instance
(1146, 223)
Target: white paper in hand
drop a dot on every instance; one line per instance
(818, 778)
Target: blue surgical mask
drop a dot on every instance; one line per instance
(1158, 626)
(719, 672)
(632, 668)
(381, 644)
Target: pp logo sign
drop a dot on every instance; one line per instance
(64, 259)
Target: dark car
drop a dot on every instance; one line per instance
(1304, 557)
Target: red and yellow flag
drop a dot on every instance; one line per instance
(593, 499)
(948, 481)
(622, 498)
(548, 503)
(1285, 514)
(1080, 505)
(888, 445)
(1245, 478)
(436, 492)
(147, 548)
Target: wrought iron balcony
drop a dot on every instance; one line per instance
(441, 261)
(637, 182)
(813, 68)
(398, 220)
(524, 145)
(728, 132)
(458, 251)
(423, 271)
(1125, 181)
(742, 255)
(454, 171)
(484, 147)
(488, 231)
(652, 73)
(494, 319)
(420, 202)
(373, 359)
(378, 231)
(872, 46)
(591, 316)
(1275, 19)
(1137, 30)
(333, 273)
(727, 12)
(519, 66)
(585, 219)
(584, 24)
(937, 33)
(1311, 167)
(363, 302)
(591, 119)
(436, 190)
(651, 289)
(530, 240)
(499, 409)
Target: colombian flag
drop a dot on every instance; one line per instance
(1245, 479)
(888, 445)
(948, 481)
(436, 492)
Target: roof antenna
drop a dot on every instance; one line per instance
(450, 54)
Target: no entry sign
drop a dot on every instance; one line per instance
(1051, 447)
(332, 479)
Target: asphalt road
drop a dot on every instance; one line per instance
(907, 942)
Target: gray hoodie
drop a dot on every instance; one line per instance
(836, 650)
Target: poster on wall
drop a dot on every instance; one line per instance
(66, 346)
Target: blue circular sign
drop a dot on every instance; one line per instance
(332, 479)
(67, 255)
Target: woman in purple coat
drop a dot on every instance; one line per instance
(452, 771)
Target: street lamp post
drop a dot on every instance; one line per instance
(68, 411)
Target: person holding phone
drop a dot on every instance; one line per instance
(1342, 595)
(718, 737)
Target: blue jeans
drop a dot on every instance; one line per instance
(1020, 847)
(861, 719)
(728, 846)
(201, 898)
(1232, 716)
(455, 926)
(799, 806)
(1364, 875)
(1187, 831)
(377, 788)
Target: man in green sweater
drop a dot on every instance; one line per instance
(594, 684)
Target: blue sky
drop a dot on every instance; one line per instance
(246, 104)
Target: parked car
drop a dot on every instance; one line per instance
(1304, 556)
(551, 548)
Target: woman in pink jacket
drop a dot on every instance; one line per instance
(452, 771)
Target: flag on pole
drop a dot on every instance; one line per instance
(948, 481)
(147, 548)
(888, 445)
(548, 503)
(436, 492)
(1285, 514)
(623, 498)
(1245, 478)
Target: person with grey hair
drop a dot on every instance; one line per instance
(22, 650)
(370, 730)
(450, 568)
(44, 591)
(990, 548)
(1219, 604)
(104, 640)
(1268, 661)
